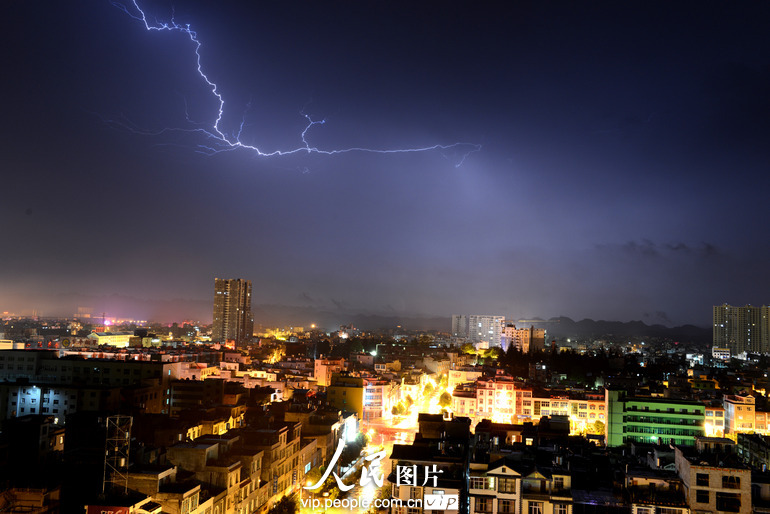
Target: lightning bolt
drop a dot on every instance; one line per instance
(217, 141)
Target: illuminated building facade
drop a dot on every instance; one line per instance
(379, 398)
(485, 329)
(503, 400)
(464, 375)
(652, 420)
(715, 421)
(233, 319)
(525, 339)
(481, 330)
(742, 329)
(116, 339)
(323, 369)
(739, 413)
(346, 393)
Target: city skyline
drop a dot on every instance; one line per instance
(621, 150)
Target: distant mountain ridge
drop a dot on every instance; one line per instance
(563, 326)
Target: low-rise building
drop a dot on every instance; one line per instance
(714, 481)
(652, 420)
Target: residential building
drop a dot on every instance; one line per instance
(715, 421)
(508, 486)
(323, 369)
(233, 319)
(379, 398)
(460, 326)
(195, 394)
(434, 464)
(739, 413)
(651, 420)
(346, 392)
(485, 330)
(742, 329)
(655, 491)
(754, 449)
(462, 375)
(527, 340)
(714, 479)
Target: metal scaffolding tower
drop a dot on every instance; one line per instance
(116, 448)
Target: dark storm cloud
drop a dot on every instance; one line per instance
(648, 249)
(657, 317)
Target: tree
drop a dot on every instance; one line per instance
(445, 400)
(494, 353)
(428, 390)
(424, 339)
(352, 450)
(286, 505)
(398, 409)
(314, 475)
(597, 428)
(511, 354)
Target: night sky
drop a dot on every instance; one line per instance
(623, 172)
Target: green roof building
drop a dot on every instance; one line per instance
(652, 420)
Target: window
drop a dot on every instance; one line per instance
(702, 479)
(535, 508)
(482, 483)
(506, 485)
(506, 507)
(731, 482)
(701, 496)
(729, 502)
(558, 483)
(483, 505)
(560, 508)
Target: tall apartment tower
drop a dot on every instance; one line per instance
(232, 310)
(460, 325)
(485, 328)
(742, 329)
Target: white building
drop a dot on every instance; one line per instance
(485, 329)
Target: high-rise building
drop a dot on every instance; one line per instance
(742, 329)
(485, 329)
(232, 310)
(459, 325)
